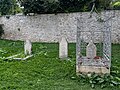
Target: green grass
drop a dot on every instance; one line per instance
(45, 71)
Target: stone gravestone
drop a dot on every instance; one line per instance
(63, 48)
(27, 47)
(91, 50)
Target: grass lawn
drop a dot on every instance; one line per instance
(45, 71)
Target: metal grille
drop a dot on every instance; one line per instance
(99, 32)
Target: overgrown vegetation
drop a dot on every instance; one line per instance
(100, 80)
(47, 72)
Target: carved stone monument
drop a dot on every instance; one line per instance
(91, 50)
(63, 48)
(27, 47)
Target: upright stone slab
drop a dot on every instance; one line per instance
(27, 47)
(63, 48)
(91, 50)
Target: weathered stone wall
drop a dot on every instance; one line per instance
(49, 27)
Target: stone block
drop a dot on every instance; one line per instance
(27, 47)
(91, 69)
(63, 48)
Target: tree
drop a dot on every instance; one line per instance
(56, 6)
(8, 7)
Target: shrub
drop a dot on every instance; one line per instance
(1, 31)
(117, 5)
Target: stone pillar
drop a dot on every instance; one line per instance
(63, 48)
(27, 47)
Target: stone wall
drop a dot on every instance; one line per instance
(49, 27)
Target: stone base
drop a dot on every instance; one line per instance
(91, 69)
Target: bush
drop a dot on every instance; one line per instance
(117, 5)
(1, 31)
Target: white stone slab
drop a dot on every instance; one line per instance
(27, 47)
(63, 48)
(91, 50)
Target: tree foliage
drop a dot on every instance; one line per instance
(116, 4)
(56, 6)
(9, 7)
